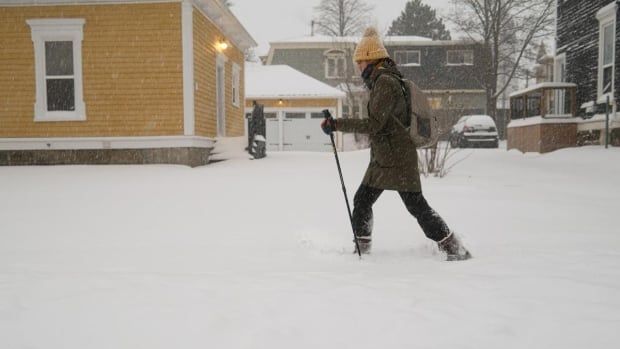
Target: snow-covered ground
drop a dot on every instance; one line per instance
(257, 254)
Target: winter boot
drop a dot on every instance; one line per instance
(365, 244)
(452, 246)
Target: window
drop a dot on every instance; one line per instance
(58, 69)
(460, 57)
(295, 115)
(407, 58)
(434, 102)
(335, 64)
(236, 78)
(607, 51)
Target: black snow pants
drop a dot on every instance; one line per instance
(431, 223)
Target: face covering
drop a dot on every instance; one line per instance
(366, 75)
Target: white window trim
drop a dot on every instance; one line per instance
(410, 64)
(606, 16)
(335, 54)
(459, 64)
(65, 29)
(236, 85)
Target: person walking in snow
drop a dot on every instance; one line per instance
(393, 156)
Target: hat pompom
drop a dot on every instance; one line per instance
(371, 31)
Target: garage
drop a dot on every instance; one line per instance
(293, 104)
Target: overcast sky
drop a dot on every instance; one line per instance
(272, 20)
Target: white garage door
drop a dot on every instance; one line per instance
(272, 125)
(302, 132)
(295, 130)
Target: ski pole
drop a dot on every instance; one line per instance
(328, 115)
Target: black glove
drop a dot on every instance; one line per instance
(329, 124)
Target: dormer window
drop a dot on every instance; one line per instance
(335, 64)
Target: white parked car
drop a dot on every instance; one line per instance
(474, 131)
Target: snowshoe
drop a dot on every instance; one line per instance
(453, 248)
(364, 242)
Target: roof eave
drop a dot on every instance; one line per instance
(218, 13)
(227, 22)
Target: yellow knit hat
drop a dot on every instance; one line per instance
(370, 47)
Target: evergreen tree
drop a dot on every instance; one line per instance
(421, 20)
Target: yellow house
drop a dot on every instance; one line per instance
(123, 82)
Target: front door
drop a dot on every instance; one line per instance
(220, 99)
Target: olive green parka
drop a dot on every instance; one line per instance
(393, 156)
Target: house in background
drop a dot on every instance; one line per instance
(572, 109)
(588, 55)
(445, 70)
(121, 82)
(544, 66)
(293, 104)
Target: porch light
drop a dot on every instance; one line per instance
(222, 45)
(280, 102)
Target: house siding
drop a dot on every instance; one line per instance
(132, 71)
(206, 37)
(578, 37)
(435, 74)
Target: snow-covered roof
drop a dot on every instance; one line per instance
(282, 81)
(220, 14)
(543, 85)
(319, 39)
(387, 40)
(395, 40)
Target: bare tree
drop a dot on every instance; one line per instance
(436, 159)
(506, 29)
(342, 17)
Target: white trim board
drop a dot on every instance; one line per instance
(59, 143)
(187, 35)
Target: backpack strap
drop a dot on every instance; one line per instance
(408, 102)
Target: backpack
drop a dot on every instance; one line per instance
(422, 124)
